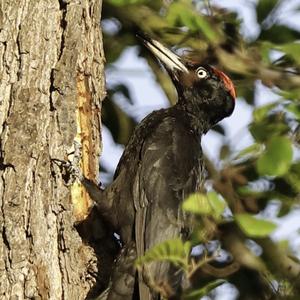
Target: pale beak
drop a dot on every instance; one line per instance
(170, 60)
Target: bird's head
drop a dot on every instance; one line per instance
(202, 89)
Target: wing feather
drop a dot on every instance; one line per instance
(170, 166)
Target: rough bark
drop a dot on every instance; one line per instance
(51, 87)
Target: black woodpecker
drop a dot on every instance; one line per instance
(161, 165)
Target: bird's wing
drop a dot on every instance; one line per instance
(170, 162)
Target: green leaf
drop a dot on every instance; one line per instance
(217, 204)
(196, 294)
(246, 92)
(184, 14)
(291, 49)
(292, 94)
(279, 34)
(293, 179)
(125, 2)
(261, 112)
(247, 191)
(174, 251)
(261, 131)
(265, 49)
(197, 204)
(277, 158)
(224, 152)
(253, 227)
(264, 8)
(252, 150)
(120, 124)
(200, 204)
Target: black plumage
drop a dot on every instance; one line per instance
(161, 165)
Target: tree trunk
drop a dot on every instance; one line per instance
(51, 87)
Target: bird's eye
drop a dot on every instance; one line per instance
(201, 72)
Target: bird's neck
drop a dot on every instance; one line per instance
(196, 118)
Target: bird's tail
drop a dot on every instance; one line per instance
(161, 280)
(123, 279)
